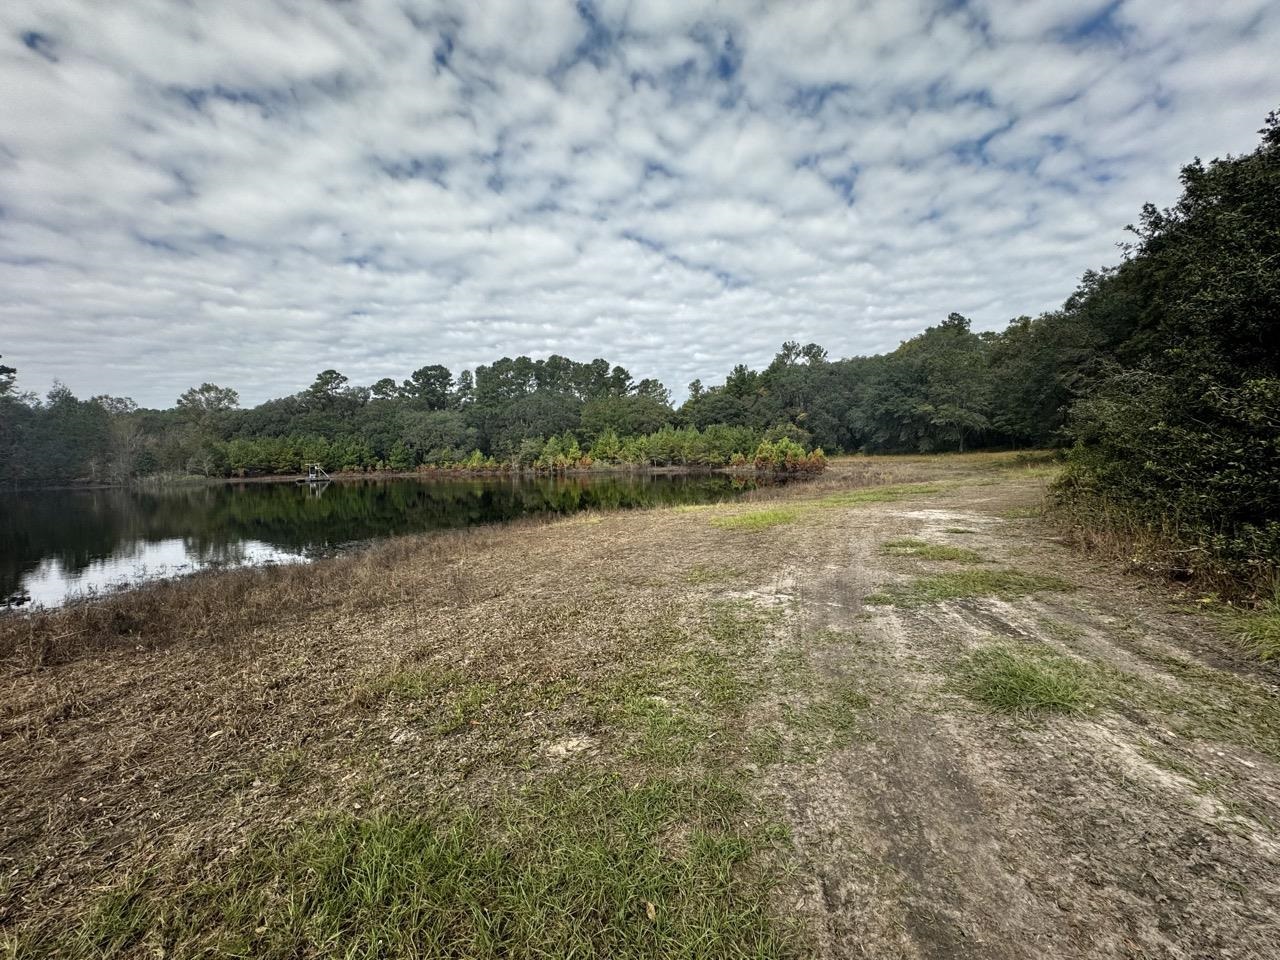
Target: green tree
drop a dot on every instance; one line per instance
(7, 376)
(1181, 432)
(125, 441)
(629, 414)
(430, 387)
(327, 387)
(208, 398)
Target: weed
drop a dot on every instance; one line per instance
(910, 547)
(1005, 584)
(886, 494)
(701, 575)
(1060, 629)
(1021, 682)
(756, 520)
(574, 867)
(1259, 631)
(1022, 513)
(765, 747)
(958, 530)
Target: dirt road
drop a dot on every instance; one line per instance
(1143, 825)
(907, 721)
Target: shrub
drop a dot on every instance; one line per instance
(787, 456)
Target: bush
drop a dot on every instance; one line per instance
(1186, 484)
(607, 448)
(789, 431)
(1177, 446)
(787, 456)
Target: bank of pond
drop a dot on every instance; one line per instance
(58, 545)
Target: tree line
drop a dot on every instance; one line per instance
(948, 388)
(945, 389)
(1160, 373)
(942, 390)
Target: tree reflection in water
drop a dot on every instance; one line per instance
(61, 542)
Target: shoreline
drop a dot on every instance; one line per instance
(433, 473)
(687, 719)
(136, 574)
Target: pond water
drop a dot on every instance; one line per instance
(56, 545)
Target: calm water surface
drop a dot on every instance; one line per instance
(59, 544)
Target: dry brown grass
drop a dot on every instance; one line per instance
(171, 721)
(213, 727)
(167, 724)
(232, 607)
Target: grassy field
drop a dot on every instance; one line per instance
(862, 716)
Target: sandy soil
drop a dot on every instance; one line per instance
(1144, 826)
(1145, 829)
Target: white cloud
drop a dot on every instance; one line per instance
(251, 193)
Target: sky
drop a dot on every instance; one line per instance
(251, 191)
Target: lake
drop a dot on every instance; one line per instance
(56, 545)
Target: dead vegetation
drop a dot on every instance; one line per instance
(649, 734)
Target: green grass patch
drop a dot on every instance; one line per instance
(833, 716)
(716, 680)
(571, 868)
(659, 730)
(119, 919)
(842, 707)
(410, 684)
(1214, 705)
(1024, 683)
(885, 494)
(701, 575)
(1022, 513)
(284, 767)
(757, 519)
(1259, 631)
(697, 681)
(765, 747)
(672, 860)
(958, 530)
(911, 547)
(1005, 584)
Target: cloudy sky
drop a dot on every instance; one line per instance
(249, 191)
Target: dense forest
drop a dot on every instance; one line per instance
(946, 389)
(1162, 375)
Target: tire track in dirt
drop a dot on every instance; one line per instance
(952, 832)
